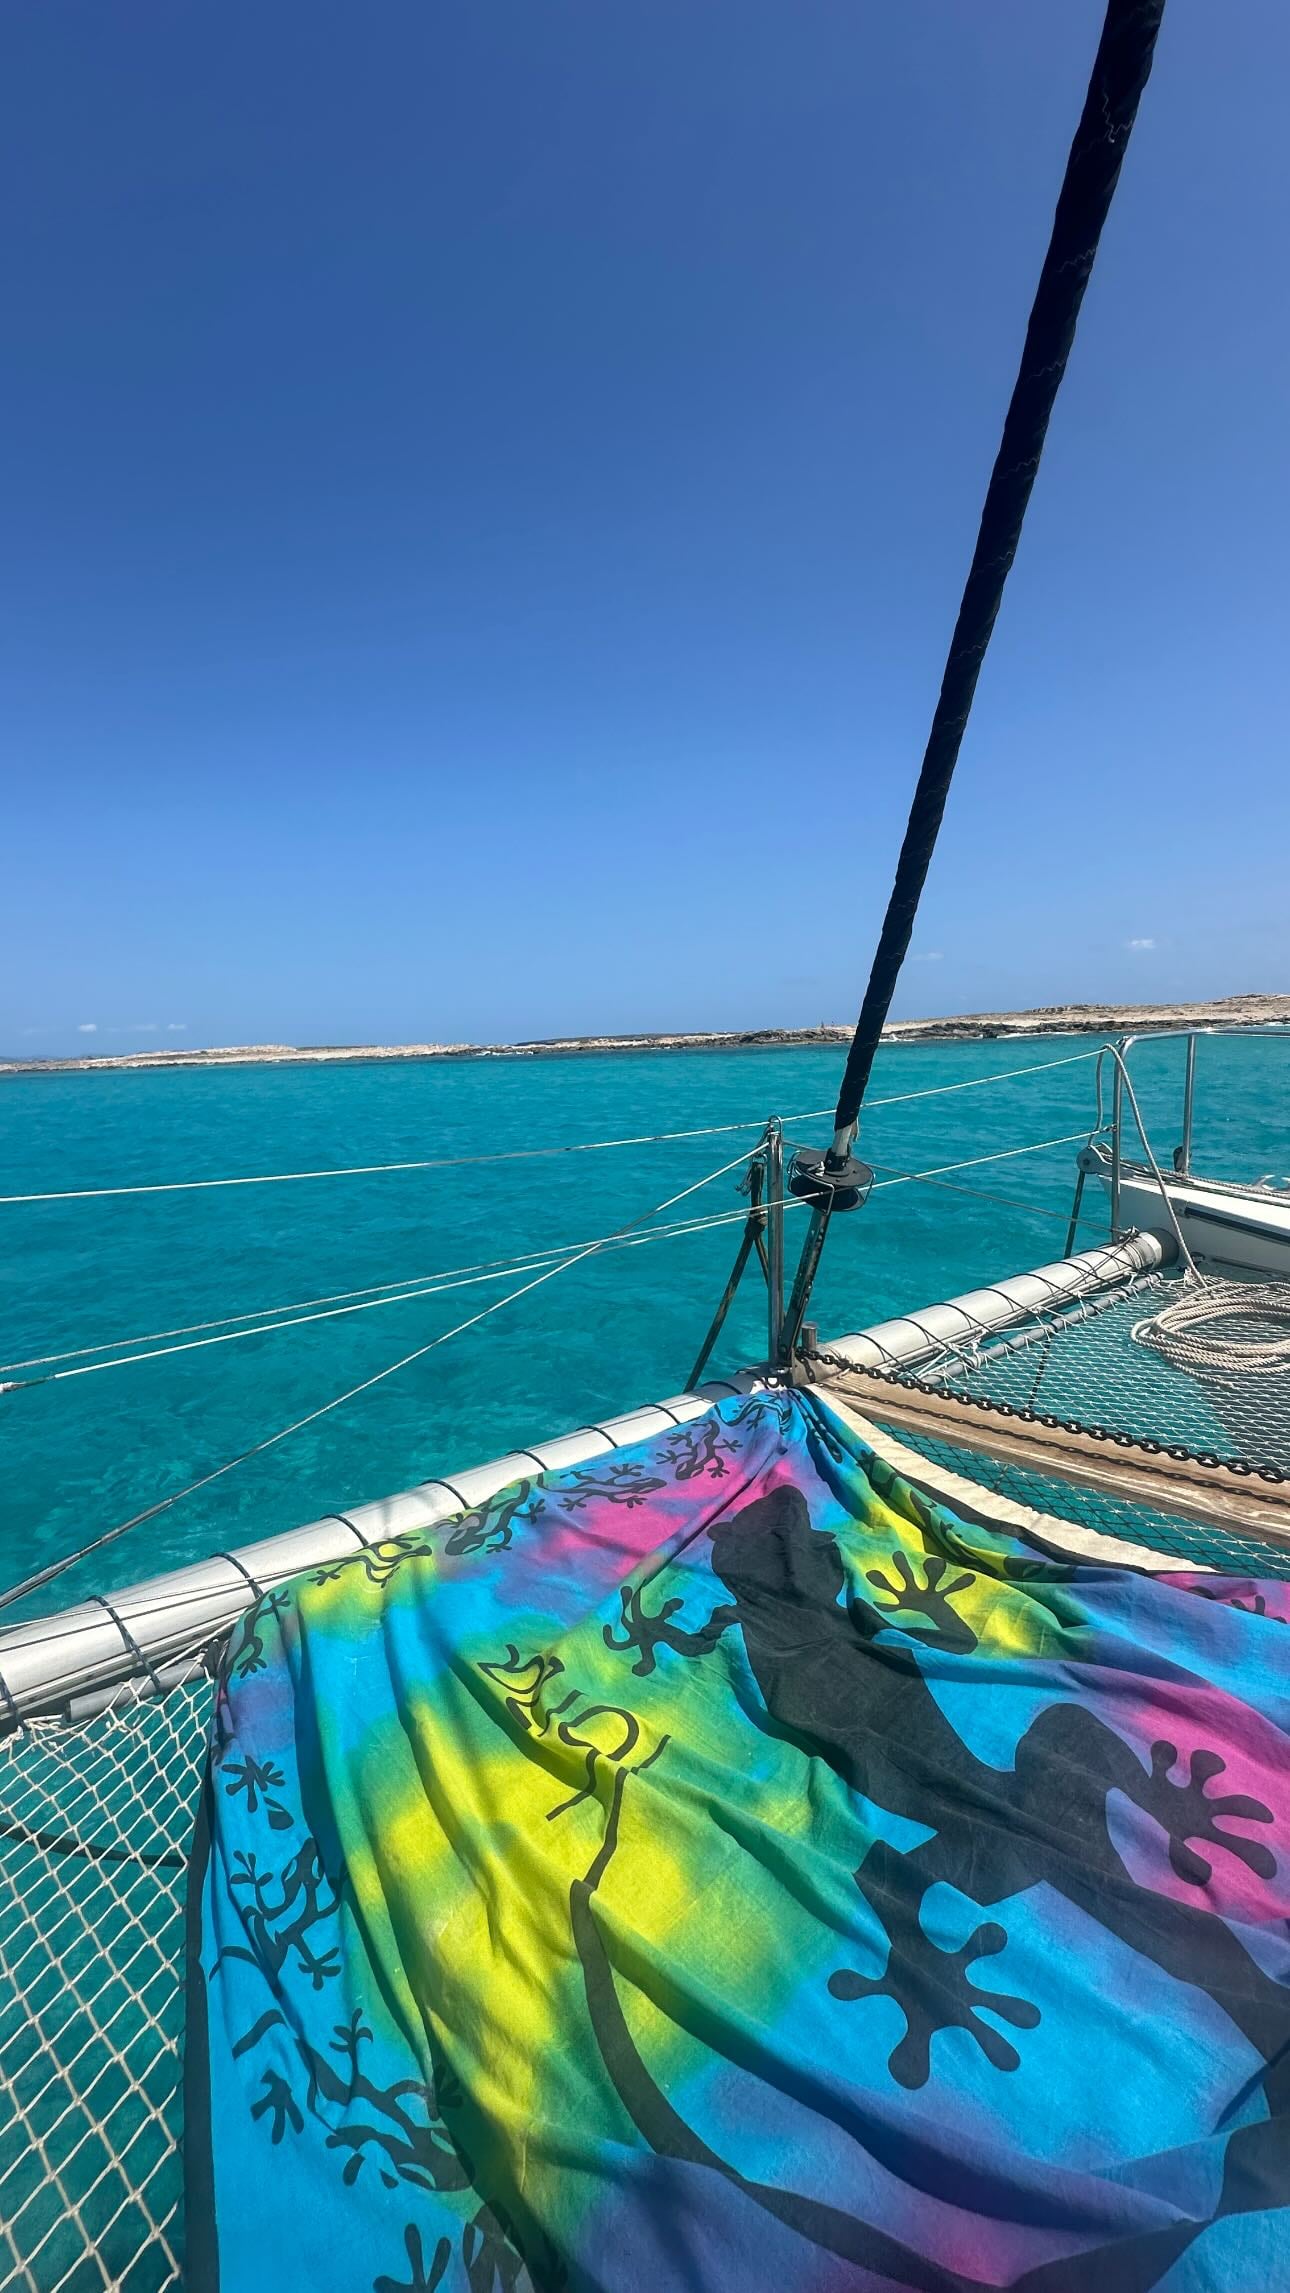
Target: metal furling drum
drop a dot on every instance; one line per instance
(816, 1177)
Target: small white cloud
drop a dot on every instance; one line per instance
(928, 955)
(145, 1027)
(176, 1027)
(1140, 946)
(88, 1027)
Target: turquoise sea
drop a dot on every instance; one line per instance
(616, 1330)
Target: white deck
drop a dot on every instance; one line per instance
(1228, 1229)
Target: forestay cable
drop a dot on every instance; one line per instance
(1120, 72)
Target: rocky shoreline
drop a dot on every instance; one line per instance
(967, 1027)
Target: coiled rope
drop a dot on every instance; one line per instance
(1196, 1333)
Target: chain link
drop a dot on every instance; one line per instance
(1174, 1449)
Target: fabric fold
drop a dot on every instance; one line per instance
(723, 1866)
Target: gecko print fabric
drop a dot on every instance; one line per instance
(724, 1867)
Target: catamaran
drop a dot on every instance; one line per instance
(826, 1827)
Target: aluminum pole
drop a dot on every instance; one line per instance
(775, 1240)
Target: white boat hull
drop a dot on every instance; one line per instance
(1232, 1230)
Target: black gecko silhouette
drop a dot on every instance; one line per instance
(848, 1691)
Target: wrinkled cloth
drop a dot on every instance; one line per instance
(723, 1867)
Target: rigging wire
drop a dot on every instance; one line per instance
(374, 1169)
(492, 1270)
(972, 1083)
(973, 1162)
(379, 1293)
(937, 1177)
(982, 1194)
(527, 1154)
(435, 1288)
(1121, 1064)
(44, 1576)
(202, 1593)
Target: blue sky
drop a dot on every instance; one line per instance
(487, 491)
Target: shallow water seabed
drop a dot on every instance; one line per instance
(614, 1331)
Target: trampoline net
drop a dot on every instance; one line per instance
(95, 1825)
(1089, 1367)
(96, 1820)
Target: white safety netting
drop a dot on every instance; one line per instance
(96, 1820)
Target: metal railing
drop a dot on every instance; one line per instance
(1181, 1159)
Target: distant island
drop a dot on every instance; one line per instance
(969, 1027)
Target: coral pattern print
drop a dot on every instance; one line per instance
(725, 1868)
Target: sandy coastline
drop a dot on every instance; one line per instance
(967, 1027)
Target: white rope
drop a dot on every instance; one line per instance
(521, 1154)
(1189, 1333)
(44, 1576)
(411, 1285)
(435, 1287)
(375, 1169)
(973, 1083)
(1005, 1154)
(452, 1278)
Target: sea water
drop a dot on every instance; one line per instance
(79, 1454)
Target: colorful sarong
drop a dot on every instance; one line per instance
(723, 1867)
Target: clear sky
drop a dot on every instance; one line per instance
(486, 490)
